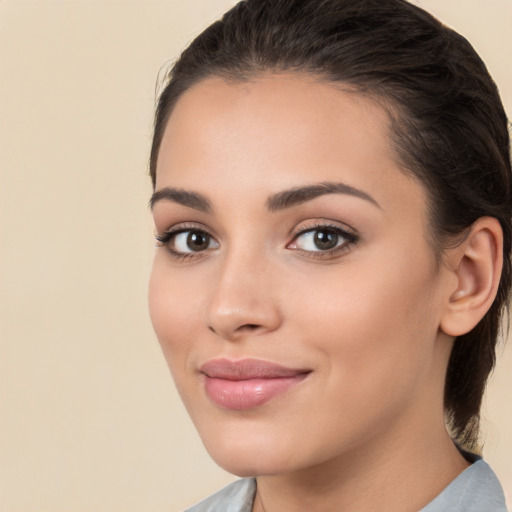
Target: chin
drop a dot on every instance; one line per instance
(247, 455)
(250, 466)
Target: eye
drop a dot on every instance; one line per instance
(184, 242)
(323, 239)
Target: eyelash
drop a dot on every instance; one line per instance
(166, 238)
(350, 238)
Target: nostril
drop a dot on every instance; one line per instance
(241, 329)
(250, 327)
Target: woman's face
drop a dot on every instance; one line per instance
(294, 292)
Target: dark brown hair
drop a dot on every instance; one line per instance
(448, 124)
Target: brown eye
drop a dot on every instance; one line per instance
(320, 239)
(196, 240)
(325, 239)
(187, 241)
(191, 240)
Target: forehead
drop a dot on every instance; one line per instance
(277, 131)
(291, 103)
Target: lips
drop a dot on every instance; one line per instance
(247, 383)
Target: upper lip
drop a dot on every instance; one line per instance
(245, 369)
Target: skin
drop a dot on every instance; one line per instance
(366, 320)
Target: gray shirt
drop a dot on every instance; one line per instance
(475, 490)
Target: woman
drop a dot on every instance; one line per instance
(332, 200)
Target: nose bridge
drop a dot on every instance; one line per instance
(242, 298)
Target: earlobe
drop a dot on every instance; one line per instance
(477, 264)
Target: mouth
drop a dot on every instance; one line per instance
(247, 383)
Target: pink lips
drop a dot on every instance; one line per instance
(247, 383)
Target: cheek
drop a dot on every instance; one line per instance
(173, 307)
(373, 320)
(376, 339)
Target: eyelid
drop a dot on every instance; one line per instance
(348, 233)
(184, 226)
(180, 226)
(311, 225)
(164, 239)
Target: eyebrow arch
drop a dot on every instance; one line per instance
(184, 197)
(294, 196)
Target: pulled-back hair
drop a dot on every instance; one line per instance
(448, 125)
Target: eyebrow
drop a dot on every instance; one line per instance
(299, 195)
(184, 197)
(276, 202)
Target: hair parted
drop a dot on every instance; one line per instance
(448, 125)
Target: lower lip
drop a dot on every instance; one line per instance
(239, 395)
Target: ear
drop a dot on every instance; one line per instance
(476, 264)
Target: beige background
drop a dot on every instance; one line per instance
(89, 420)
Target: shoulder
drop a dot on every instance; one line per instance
(236, 497)
(476, 489)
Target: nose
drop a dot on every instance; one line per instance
(243, 301)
